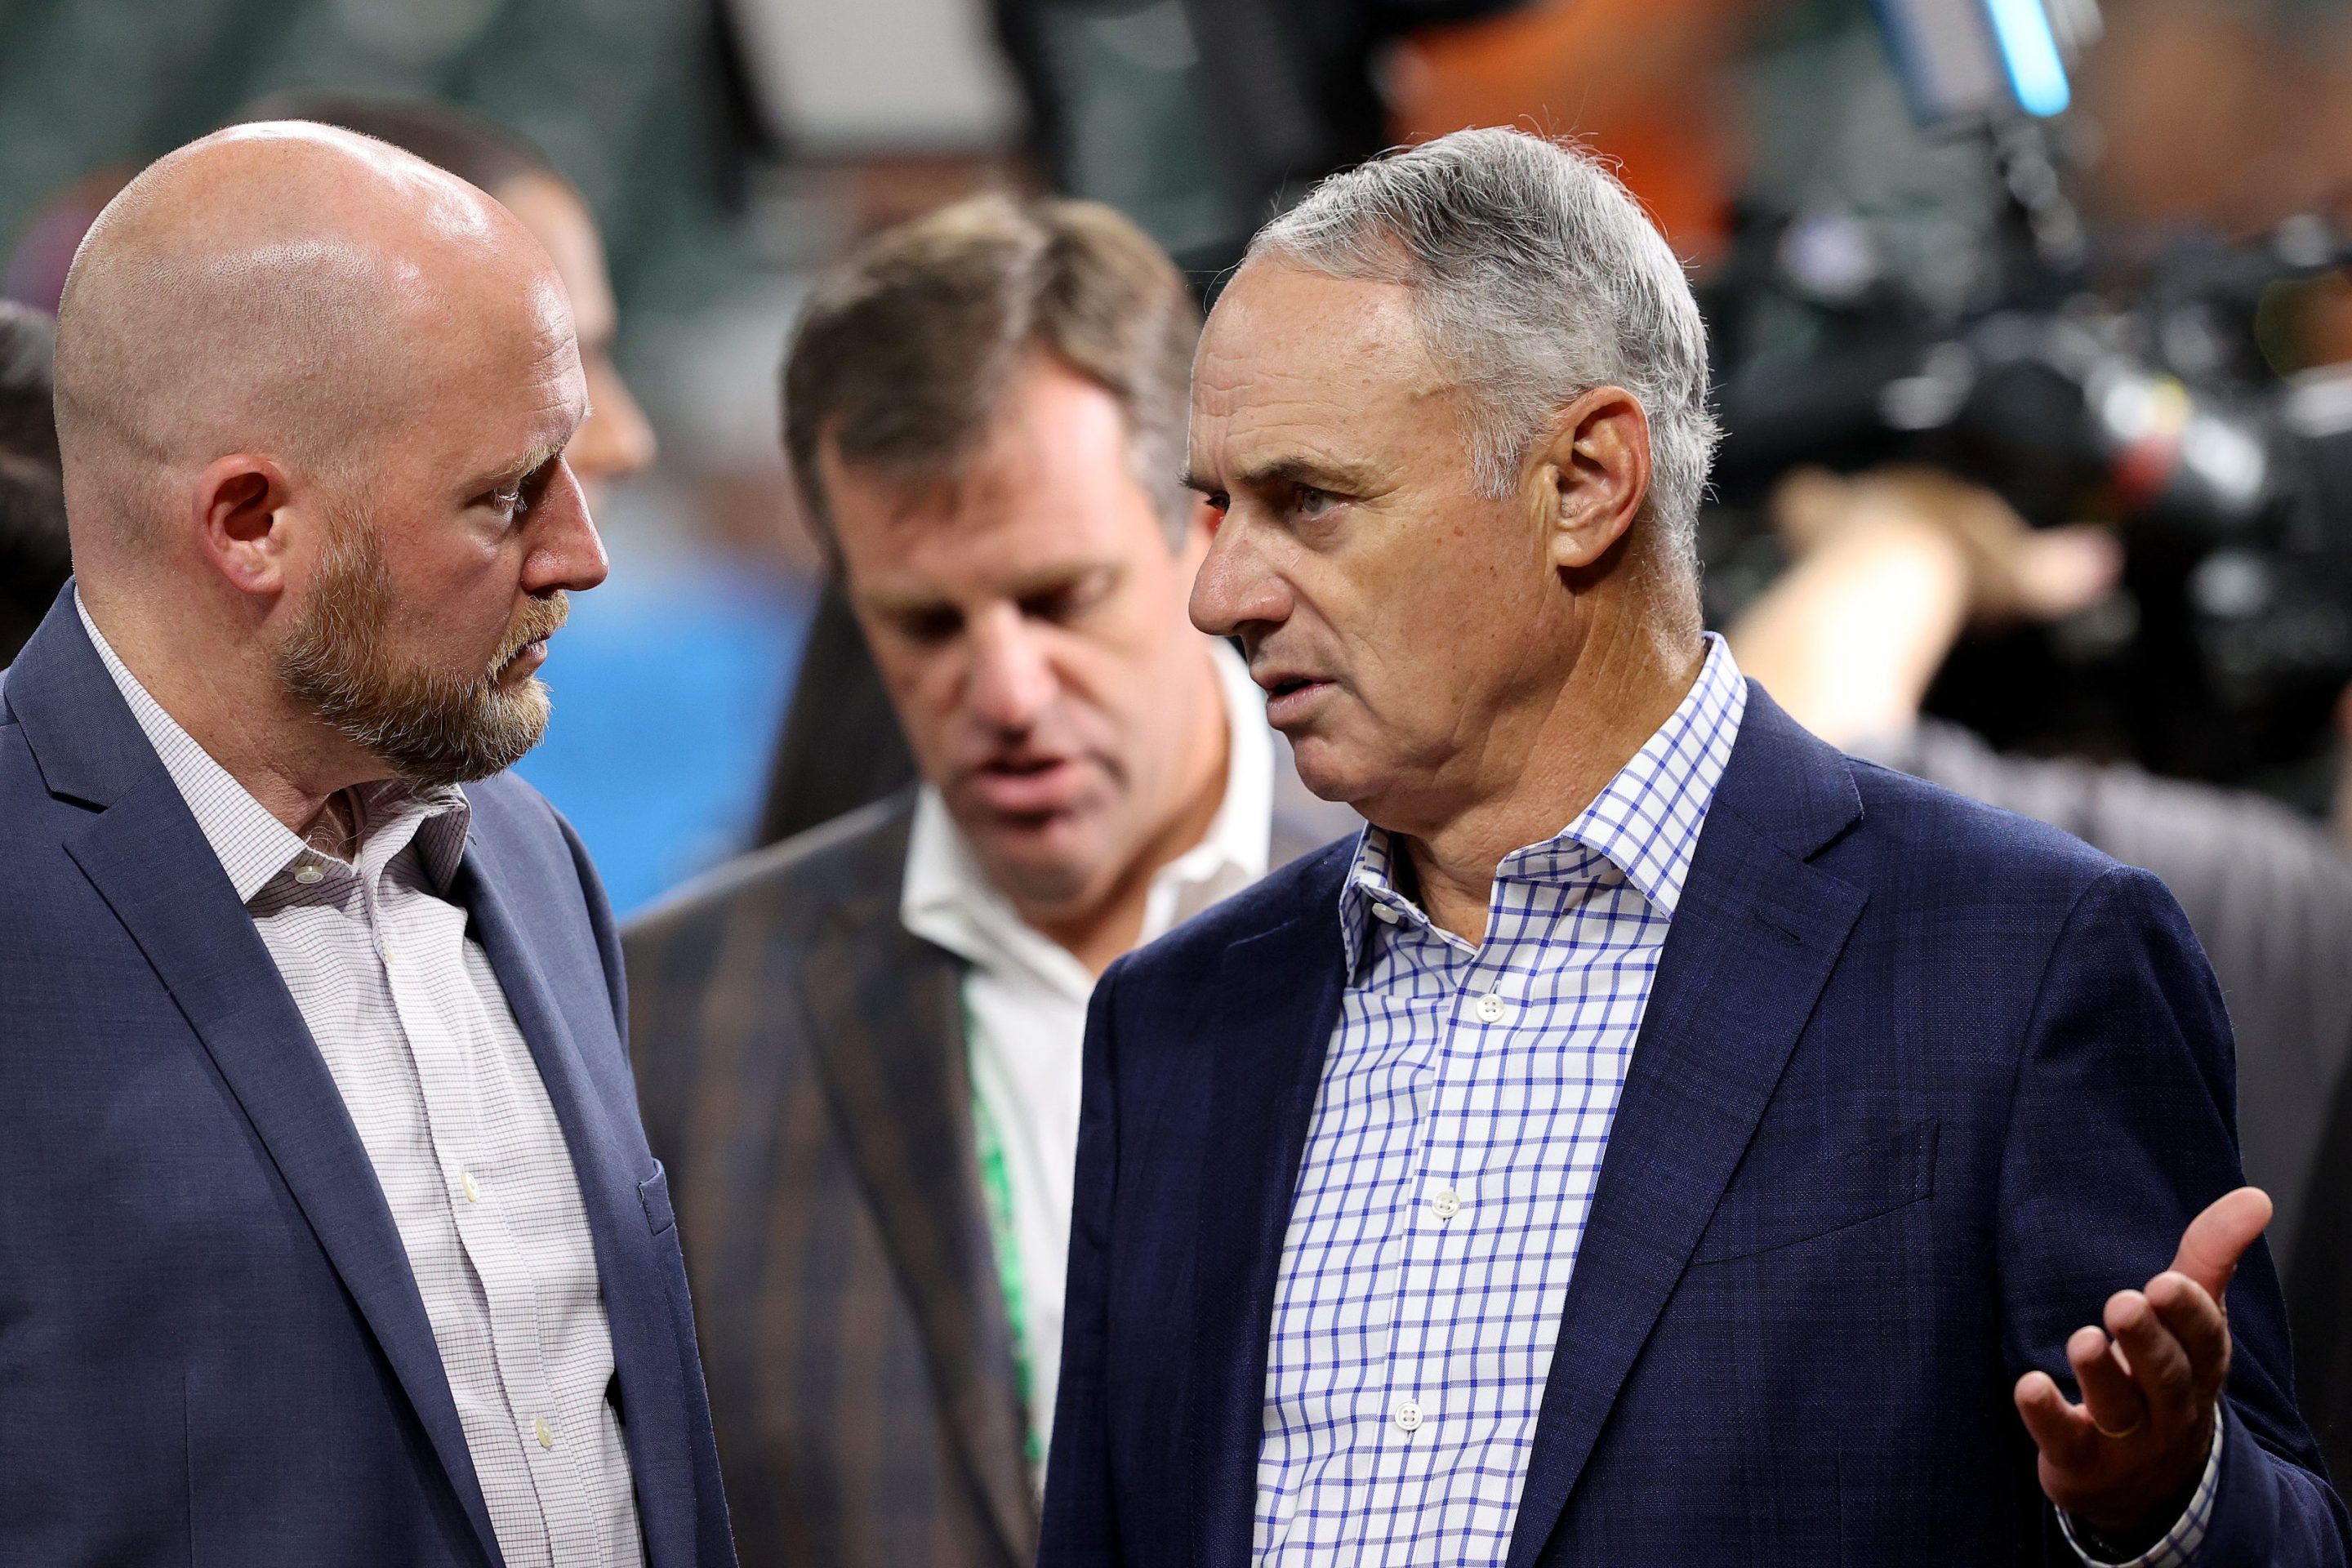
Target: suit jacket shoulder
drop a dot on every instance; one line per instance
(858, 857)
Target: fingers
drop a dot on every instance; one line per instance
(2062, 1430)
(2216, 1239)
(2062, 571)
(2108, 1390)
(2161, 1373)
(2198, 1322)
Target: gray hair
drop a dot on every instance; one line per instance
(1536, 277)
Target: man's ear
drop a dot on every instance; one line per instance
(1593, 475)
(236, 501)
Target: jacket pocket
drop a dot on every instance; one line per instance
(653, 1193)
(1782, 1195)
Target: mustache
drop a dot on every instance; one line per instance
(540, 619)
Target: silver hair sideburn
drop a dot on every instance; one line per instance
(1536, 278)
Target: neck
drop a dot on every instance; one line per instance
(228, 702)
(1111, 923)
(1628, 679)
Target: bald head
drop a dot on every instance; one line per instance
(284, 289)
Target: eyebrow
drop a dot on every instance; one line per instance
(1348, 478)
(522, 467)
(1029, 585)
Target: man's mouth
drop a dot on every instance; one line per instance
(1288, 696)
(524, 660)
(1026, 786)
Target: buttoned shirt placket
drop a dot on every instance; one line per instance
(1459, 1132)
(416, 936)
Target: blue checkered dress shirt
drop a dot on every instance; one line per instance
(1466, 1103)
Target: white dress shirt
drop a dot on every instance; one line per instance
(1024, 998)
(415, 1031)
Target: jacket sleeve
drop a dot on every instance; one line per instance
(1080, 1525)
(2122, 1128)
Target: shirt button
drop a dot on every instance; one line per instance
(1445, 1204)
(1383, 914)
(473, 1192)
(1492, 1008)
(1407, 1415)
(545, 1434)
(308, 872)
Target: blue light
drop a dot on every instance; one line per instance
(2030, 51)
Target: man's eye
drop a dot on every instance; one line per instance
(1070, 601)
(1312, 503)
(928, 628)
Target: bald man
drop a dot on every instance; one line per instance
(328, 1230)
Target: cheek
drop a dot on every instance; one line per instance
(927, 689)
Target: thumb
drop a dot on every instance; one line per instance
(2216, 1239)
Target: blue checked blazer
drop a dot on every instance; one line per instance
(1919, 1085)
(211, 1348)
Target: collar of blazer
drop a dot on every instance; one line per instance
(143, 852)
(1754, 939)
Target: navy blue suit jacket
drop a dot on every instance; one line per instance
(211, 1349)
(1920, 1084)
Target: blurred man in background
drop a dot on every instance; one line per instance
(35, 560)
(859, 1049)
(363, 1258)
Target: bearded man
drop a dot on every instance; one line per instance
(328, 1230)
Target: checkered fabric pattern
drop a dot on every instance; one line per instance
(1466, 1105)
(2180, 1544)
(415, 1031)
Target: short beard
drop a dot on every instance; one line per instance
(428, 726)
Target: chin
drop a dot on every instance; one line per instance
(1047, 861)
(1329, 772)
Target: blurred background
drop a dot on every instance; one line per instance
(2086, 253)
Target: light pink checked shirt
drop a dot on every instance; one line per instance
(414, 1027)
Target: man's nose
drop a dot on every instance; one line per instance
(1011, 676)
(1237, 587)
(565, 552)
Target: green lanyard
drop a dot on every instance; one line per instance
(996, 1190)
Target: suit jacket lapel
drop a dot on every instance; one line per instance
(1268, 1027)
(605, 1165)
(887, 1021)
(1754, 938)
(146, 857)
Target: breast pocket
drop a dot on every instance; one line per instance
(1791, 1191)
(653, 1193)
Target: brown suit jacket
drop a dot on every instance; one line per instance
(801, 1060)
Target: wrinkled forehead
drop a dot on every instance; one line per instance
(1289, 352)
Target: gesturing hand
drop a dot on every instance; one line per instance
(2126, 1459)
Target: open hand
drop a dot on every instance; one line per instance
(2125, 1460)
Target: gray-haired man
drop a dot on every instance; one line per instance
(1660, 1139)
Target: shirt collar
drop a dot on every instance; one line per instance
(947, 897)
(1644, 822)
(253, 847)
